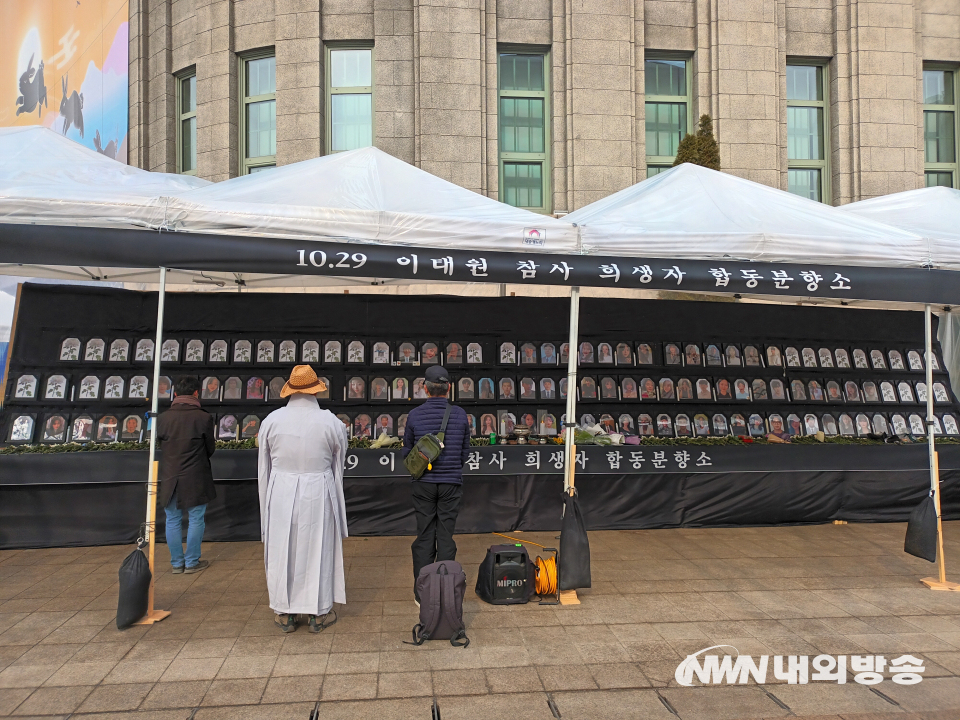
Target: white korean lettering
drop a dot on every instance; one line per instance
(473, 460)
(556, 458)
(752, 277)
(673, 272)
(682, 457)
(704, 460)
(841, 282)
(528, 269)
(582, 459)
(610, 271)
(443, 263)
(830, 668)
(659, 459)
(533, 459)
(636, 459)
(812, 279)
(645, 272)
(498, 459)
(722, 276)
(562, 267)
(478, 268)
(412, 260)
(780, 279)
(613, 458)
(906, 669)
(868, 668)
(797, 672)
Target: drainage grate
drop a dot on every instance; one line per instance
(885, 697)
(314, 714)
(435, 710)
(667, 705)
(553, 707)
(777, 700)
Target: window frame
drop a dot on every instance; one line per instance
(665, 162)
(546, 157)
(179, 78)
(330, 91)
(824, 165)
(954, 167)
(263, 161)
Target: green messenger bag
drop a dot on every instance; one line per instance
(427, 449)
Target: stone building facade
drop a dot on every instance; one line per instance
(829, 93)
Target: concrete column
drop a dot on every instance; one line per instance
(217, 91)
(393, 101)
(300, 77)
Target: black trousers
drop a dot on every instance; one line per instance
(436, 506)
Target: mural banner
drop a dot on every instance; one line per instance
(63, 65)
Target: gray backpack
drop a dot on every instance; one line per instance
(441, 587)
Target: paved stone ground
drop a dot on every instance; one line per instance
(657, 595)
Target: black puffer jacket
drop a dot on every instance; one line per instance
(448, 468)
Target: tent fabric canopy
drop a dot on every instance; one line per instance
(47, 179)
(692, 212)
(368, 196)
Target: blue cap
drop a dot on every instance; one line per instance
(436, 374)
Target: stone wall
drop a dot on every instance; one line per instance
(435, 81)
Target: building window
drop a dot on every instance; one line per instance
(807, 147)
(349, 98)
(523, 113)
(940, 126)
(187, 124)
(258, 116)
(667, 96)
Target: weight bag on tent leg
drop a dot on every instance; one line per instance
(921, 539)
(574, 546)
(134, 589)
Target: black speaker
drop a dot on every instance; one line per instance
(506, 576)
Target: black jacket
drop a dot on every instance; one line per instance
(186, 439)
(448, 468)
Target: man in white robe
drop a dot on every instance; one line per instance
(303, 516)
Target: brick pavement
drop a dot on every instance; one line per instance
(657, 595)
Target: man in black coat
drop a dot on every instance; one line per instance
(186, 437)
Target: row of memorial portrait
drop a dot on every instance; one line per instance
(481, 389)
(337, 352)
(84, 428)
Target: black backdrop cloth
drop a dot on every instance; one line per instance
(72, 508)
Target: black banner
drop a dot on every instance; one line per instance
(122, 248)
(506, 460)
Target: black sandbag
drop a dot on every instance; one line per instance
(134, 589)
(921, 539)
(574, 559)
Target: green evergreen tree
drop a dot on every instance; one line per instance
(700, 149)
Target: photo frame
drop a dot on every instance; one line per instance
(879, 424)
(130, 428)
(732, 355)
(400, 389)
(548, 354)
(758, 387)
(528, 353)
(664, 425)
(506, 421)
(138, 388)
(666, 389)
(453, 354)
(645, 425)
(227, 427)
(756, 425)
(70, 349)
(626, 424)
(701, 425)
(274, 388)
(357, 352)
(255, 388)
(847, 427)
(407, 354)
(383, 425)
(811, 424)
(266, 351)
(55, 429)
(466, 389)
(829, 425)
(332, 352)
(776, 424)
(815, 391)
(896, 360)
(528, 418)
(288, 351)
(624, 355)
(165, 388)
(56, 388)
(899, 424)
(712, 357)
(877, 361)
(950, 426)
(940, 393)
(587, 420)
(585, 354)
(242, 351)
(506, 388)
(916, 425)
(548, 388)
(724, 390)
(119, 350)
(562, 388)
(684, 389)
(527, 388)
(843, 361)
(194, 351)
(682, 425)
(82, 429)
(920, 389)
(217, 352)
(609, 389)
(644, 354)
(21, 429)
(648, 389)
(905, 391)
(825, 357)
(113, 388)
(419, 390)
(356, 388)
(887, 393)
(851, 391)
(347, 423)
(833, 393)
(474, 353)
(144, 350)
(380, 353)
(672, 355)
(107, 429)
(94, 350)
(310, 351)
(507, 353)
(210, 388)
(864, 428)
(488, 424)
(860, 362)
(774, 357)
(778, 391)
(327, 392)
(704, 390)
(691, 356)
(564, 353)
(380, 390)
(486, 390)
(628, 389)
(363, 426)
(741, 389)
(471, 421)
(871, 393)
(792, 357)
(794, 425)
(719, 422)
(605, 357)
(232, 388)
(809, 357)
(249, 427)
(751, 356)
(914, 360)
(798, 391)
(170, 351)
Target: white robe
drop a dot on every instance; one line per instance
(303, 517)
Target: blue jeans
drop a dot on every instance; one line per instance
(175, 533)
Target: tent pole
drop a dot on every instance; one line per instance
(939, 583)
(570, 448)
(154, 615)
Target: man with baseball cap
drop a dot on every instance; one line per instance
(436, 495)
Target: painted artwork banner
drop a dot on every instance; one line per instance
(63, 65)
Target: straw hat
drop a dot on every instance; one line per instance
(303, 380)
